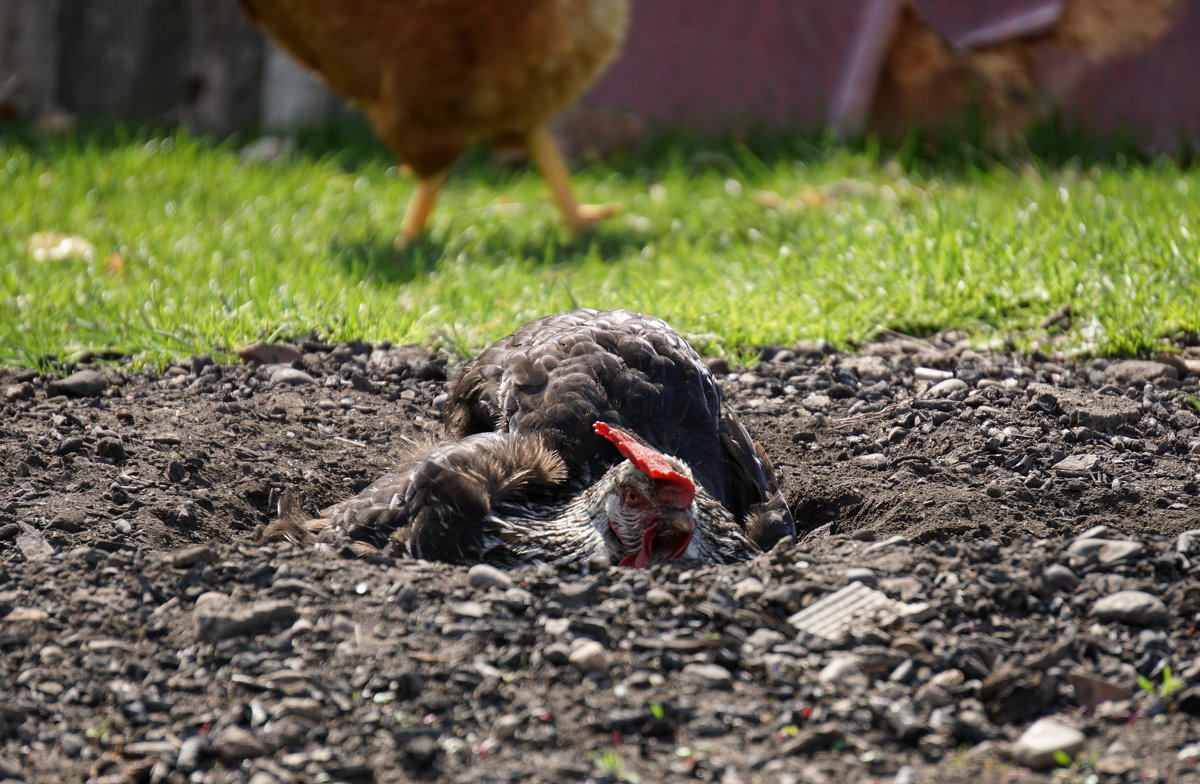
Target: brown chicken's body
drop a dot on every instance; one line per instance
(435, 76)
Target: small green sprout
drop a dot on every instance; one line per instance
(1170, 683)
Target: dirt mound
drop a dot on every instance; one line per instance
(145, 637)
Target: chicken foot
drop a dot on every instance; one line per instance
(550, 162)
(420, 207)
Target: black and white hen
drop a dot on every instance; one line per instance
(588, 434)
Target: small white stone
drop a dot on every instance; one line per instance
(1041, 742)
(506, 726)
(714, 676)
(844, 674)
(1132, 607)
(659, 597)
(947, 387)
(762, 639)
(932, 374)
(487, 576)
(51, 654)
(588, 656)
(750, 588)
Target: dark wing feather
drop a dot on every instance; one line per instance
(558, 375)
(438, 503)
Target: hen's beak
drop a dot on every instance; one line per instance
(681, 520)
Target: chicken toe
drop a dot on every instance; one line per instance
(550, 162)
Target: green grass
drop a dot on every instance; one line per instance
(853, 241)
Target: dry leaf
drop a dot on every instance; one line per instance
(56, 246)
(114, 264)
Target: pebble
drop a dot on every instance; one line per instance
(749, 588)
(470, 609)
(506, 726)
(487, 576)
(269, 353)
(216, 617)
(109, 646)
(711, 676)
(83, 383)
(1132, 607)
(152, 748)
(290, 376)
(1039, 744)
(422, 751)
(190, 556)
(930, 695)
(1106, 552)
(70, 445)
(660, 598)
(1128, 371)
(1059, 578)
(32, 543)
(235, 743)
(817, 402)
(556, 653)
(891, 542)
(1076, 465)
(862, 575)
(518, 597)
(1118, 765)
(588, 656)
(9, 769)
(21, 391)
(762, 639)
(301, 707)
(72, 744)
(873, 461)
(932, 374)
(1187, 541)
(844, 673)
(948, 388)
(1095, 532)
(69, 520)
(111, 448)
(51, 654)
(1100, 413)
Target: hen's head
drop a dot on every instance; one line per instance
(649, 503)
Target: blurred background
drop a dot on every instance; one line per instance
(1106, 67)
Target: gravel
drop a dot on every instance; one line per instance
(1025, 539)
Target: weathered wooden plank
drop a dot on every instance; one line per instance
(28, 42)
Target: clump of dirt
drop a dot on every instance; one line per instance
(1030, 523)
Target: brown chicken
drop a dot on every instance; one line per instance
(435, 76)
(586, 434)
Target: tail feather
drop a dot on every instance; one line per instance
(292, 525)
(770, 523)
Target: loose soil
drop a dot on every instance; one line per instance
(146, 636)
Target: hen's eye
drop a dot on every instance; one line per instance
(633, 497)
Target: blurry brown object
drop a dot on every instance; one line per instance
(434, 76)
(934, 77)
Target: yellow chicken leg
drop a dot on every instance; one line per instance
(420, 207)
(550, 162)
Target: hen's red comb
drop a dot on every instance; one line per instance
(649, 462)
